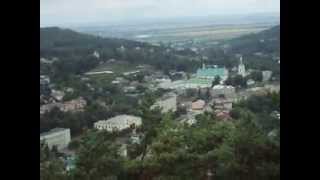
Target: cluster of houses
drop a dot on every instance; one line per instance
(220, 102)
(75, 105)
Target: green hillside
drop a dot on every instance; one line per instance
(267, 42)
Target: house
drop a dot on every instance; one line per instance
(69, 90)
(167, 103)
(266, 75)
(119, 123)
(115, 82)
(198, 105)
(58, 137)
(223, 90)
(129, 89)
(44, 80)
(250, 82)
(99, 72)
(164, 83)
(48, 107)
(74, 105)
(58, 95)
(222, 104)
(131, 73)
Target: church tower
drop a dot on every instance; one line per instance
(241, 68)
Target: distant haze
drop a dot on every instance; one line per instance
(81, 12)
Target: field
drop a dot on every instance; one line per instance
(206, 33)
(198, 33)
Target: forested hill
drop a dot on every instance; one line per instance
(267, 42)
(55, 41)
(74, 52)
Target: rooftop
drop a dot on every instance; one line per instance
(222, 87)
(53, 131)
(211, 72)
(118, 118)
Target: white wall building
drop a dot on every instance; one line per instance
(119, 123)
(59, 137)
(266, 75)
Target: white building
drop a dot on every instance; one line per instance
(119, 123)
(266, 75)
(166, 103)
(222, 104)
(44, 79)
(59, 137)
(58, 95)
(250, 82)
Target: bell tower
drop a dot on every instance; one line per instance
(241, 68)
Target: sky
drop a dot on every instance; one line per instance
(72, 12)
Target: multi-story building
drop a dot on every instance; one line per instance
(74, 105)
(223, 90)
(59, 137)
(119, 123)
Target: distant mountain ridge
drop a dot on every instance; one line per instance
(54, 39)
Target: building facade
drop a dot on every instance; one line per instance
(118, 123)
(59, 137)
(211, 73)
(166, 103)
(266, 75)
(223, 90)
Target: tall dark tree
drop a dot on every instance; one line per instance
(216, 81)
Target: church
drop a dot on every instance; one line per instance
(212, 72)
(241, 68)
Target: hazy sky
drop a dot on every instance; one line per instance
(59, 12)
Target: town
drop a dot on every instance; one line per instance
(179, 99)
(207, 90)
